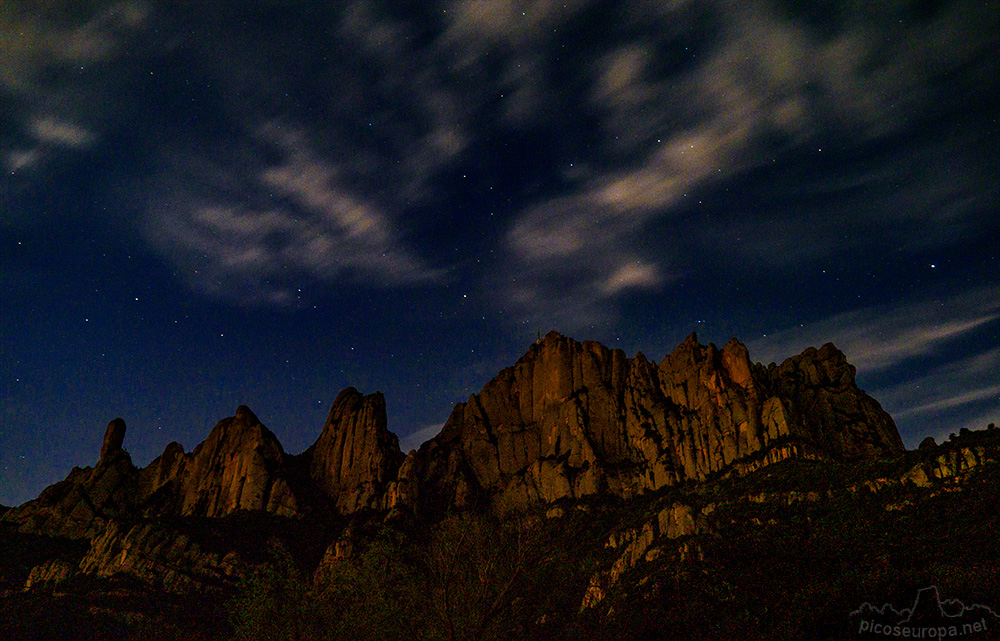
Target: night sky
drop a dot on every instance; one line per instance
(221, 203)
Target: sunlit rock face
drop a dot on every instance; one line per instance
(240, 466)
(356, 456)
(162, 557)
(568, 419)
(573, 419)
(828, 408)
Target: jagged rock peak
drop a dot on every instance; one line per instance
(244, 414)
(571, 419)
(114, 436)
(349, 400)
(77, 507)
(826, 366)
(356, 454)
(736, 362)
(238, 467)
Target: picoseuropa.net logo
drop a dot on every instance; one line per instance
(928, 617)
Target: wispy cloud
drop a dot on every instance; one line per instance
(231, 242)
(18, 159)
(632, 275)
(36, 39)
(675, 97)
(880, 338)
(765, 84)
(415, 439)
(989, 393)
(48, 60)
(880, 341)
(962, 393)
(60, 132)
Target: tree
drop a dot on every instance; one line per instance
(448, 582)
(473, 566)
(379, 593)
(273, 601)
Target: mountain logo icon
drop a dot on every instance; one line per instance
(928, 617)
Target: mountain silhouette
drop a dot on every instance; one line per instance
(581, 494)
(929, 616)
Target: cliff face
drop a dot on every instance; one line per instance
(240, 466)
(573, 419)
(568, 420)
(356, 456)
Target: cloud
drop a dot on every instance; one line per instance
(961, 393)
(230, 241)
(881, 341)
(958, 400)
(632, 275)
(679, 110)
(415, 439)
(59, 132)
(19, 159)
(418, 115)
(53, 57)
(677, 97)
(247, 227)
(51, 36)
(881, 338)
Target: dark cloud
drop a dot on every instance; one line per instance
(768, 88)
(961, 393)
(680, 97)
(885, 336)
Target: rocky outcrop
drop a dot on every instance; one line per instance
(672, 522)
(356, 456)
(240, 466)
(950, 464)
(828, 408)
(339, 551)
(114, 436)
(568, 420)
(573, 419)
(155, 553)
(81, 505)
(160, 556)
(49, 574)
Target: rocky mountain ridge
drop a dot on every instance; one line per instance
(596, 567)
(629, 492)
(568, 421)
(574, 419)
